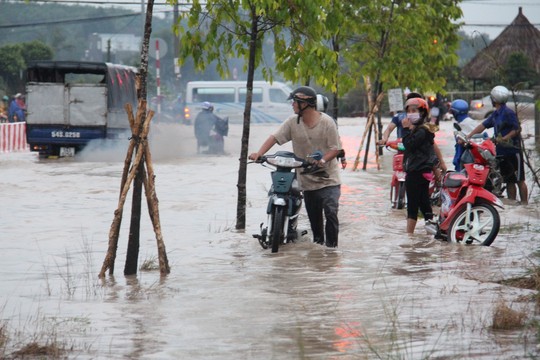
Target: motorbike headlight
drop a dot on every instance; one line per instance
(284, 162)
(487, 155)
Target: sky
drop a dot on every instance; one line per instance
(480, 16)
(483, 16)
(492, 16)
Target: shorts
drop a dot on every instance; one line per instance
(512, 168)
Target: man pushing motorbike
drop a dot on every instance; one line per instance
(311, 131)
(507, 132)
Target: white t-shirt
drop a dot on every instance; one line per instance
(305, 141)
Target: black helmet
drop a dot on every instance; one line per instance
(413, 95)
(304, 94)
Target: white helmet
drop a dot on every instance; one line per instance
(499, 94)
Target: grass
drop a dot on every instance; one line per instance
(506, 318)
(150, 264)
(38, 338)
(50, 351)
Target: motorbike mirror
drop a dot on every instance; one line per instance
(461, 136)
(457, 127)
(317, 155)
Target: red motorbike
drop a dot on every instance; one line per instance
(468, 214)
(398, 196)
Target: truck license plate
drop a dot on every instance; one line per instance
(67, 151)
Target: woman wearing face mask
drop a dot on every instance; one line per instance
(419, 157)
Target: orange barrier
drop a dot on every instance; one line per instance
(13, 137)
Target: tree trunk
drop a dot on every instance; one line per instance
(135, 225)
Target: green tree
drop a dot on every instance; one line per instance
(317, 57)
(398, 43)
(36, 50)
(519, 72)
(14, 60)
(218, 30)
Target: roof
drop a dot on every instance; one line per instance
(519, 36)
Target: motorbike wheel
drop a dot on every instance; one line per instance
(483, 228)
(402, 197)
(278, 221)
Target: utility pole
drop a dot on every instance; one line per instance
(176, 43)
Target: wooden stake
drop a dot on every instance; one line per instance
(373, 109)
(108, 263)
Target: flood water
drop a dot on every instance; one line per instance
(380, 294)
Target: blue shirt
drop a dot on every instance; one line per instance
(503, 121)
(396, 120)
(15, 109)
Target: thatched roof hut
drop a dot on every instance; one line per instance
(519, 36)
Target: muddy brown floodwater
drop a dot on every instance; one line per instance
(380, 294)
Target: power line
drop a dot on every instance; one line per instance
(133, 14)
(69, 21)
(93, 2)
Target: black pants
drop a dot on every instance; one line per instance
(417, 187)
(325, 200)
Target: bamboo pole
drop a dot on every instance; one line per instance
(373, 109)
(153, 210)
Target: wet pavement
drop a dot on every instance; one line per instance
(380, 294)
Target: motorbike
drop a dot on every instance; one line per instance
(468, 212)
(284, 199)
(398, 196)
(494, 182)
(398, 193)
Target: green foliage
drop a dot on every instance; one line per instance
(218, 30)
(404, 44)
(36, 50)
(518, 71)
(52, 25)
(11, 60)
(14, 60)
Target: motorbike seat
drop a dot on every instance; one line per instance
(454, 180)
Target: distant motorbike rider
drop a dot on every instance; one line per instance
(205, 123)
(311, 131)
(460, 110)
(507, 132)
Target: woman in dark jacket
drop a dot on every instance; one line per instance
(419, 158)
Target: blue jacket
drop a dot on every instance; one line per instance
(15, 109)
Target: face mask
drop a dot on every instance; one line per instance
(414, 118)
